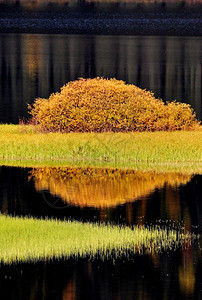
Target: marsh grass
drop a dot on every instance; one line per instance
(180, 150)
(28, 239)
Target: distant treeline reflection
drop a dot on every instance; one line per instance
(33, 65)
(38, 2)
(62, 2)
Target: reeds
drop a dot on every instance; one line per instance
(28, 239)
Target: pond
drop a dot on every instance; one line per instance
(36, 65)
(122, 197)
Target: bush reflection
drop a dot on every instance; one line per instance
(102, 187)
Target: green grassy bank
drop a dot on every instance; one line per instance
(160, 151)
(33, 240)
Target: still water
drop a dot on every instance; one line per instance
(34, 4)
(36, 65)
(118, 197)
(143, 5)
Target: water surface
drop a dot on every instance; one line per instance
(36, 65)
(143, 5)
(114, 196)
(143, 198)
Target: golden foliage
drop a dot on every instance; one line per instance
(96, 187)
(99, 105)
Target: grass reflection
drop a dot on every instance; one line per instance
(96, 187)
(28, 239)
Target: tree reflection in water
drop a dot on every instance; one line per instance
(166, 199)
(168, 66)
(140, 277)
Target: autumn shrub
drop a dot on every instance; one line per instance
(100, 105)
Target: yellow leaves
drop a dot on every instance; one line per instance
(108, 105)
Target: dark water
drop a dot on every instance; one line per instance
(148, 18)
(132, 199)
(143, 5)
(156, 278)
(35, 65)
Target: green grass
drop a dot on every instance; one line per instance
(160, 151)
(23, 239)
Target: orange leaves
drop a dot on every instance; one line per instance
(108, 105)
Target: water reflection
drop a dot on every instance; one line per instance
(61, 2)
(113, 196)
(138, 4)
(139, 278)
(186, 274)
(102, 188)
(33, 65)
(174, 197)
